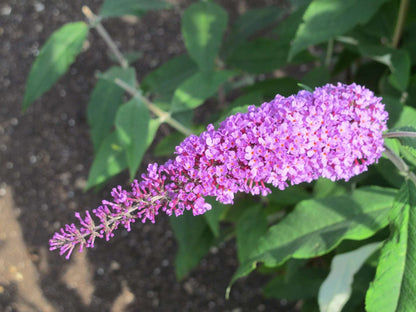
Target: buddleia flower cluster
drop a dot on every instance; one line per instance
(334, 132)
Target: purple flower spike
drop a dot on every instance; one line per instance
(334, 132)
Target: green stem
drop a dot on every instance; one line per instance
(399, 134)
(400, 164)
(400, 22)
(163, 116)
(95, 22)
(329, 51)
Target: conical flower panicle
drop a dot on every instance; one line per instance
(334, 132)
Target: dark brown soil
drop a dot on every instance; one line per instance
(45, 155)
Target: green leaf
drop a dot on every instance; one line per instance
(203, 25)
(153, 127)
(194, 237)
(196, 89)
(166, 146)
(398, 61)
(360, 285)
(286, 30)
(386, 89)
(367, 46)
(299, 3)
(394, 287)
(261, 55)
(325, 188)
(325, 19)
(317, 77)
(234, 212)
(317, 226)
(256, 19)
(411, 99)
(250, 227)
(303, 284)
(240, 105)
(105, 99)
(109, 161)
(369, 74)
(394, 145)
(268, 88)
(213, 216)
(114, 8)
(407, 145)
(250, 23)
(310, 305)
(409, 154)
(337, 287)
(395, 107)
(408, 42)
(127, 75)
(54, 59)
(344, 61)
(133, 56)
(305, 87)
(289, 196)
(380, 26)
(132, 126)
(389, 172)
(166, 78)
(399, 78)
(407, 117)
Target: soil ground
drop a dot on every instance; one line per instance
(45, 155)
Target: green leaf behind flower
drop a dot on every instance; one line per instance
(54, 59)
(325, 19)
(394, 287)
(115, 8)
(316, 226)
(203, 25)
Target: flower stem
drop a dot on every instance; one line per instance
(163, 116)
(329, 52)
(400, 22)
(399, 134)
(95, 22)
(400, 164)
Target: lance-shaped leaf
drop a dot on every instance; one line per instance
(105, 99)
(249, 228)
(213, 217)
(132, 126)
(401, 64)
(302, 284)
(203, 25)
(54, 59)
(114, 8)
(317, 226)
(337, 287)
(166, 78)
(250, 23)
(394, 287)
(196, 89)
(407, 117)
(325, 19)
(194, 237)
(109, 161)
